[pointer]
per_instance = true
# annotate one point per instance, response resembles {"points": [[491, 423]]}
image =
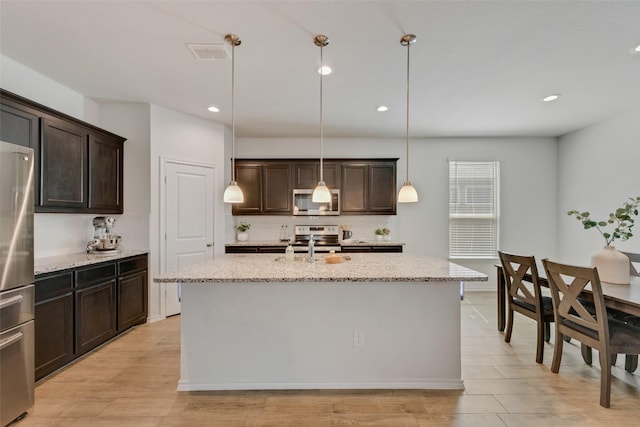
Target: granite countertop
{"points": [[350, 242], [360, 267], [63, 262]]}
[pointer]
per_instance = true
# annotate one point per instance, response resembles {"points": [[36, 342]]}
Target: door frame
{"points": [[163, 216]]}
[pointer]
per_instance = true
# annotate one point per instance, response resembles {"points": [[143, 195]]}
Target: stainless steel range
{"points": [[325, 237]]}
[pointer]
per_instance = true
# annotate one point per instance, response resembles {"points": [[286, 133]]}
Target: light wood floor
{"points": [[132, 382]]}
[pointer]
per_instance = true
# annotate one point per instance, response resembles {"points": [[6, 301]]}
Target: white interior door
{"points": [[189, 221]]}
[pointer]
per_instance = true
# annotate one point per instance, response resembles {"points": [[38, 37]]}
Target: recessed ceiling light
{"points": [[382, 108], [550, 98], [214, 109], [637, 49], [324, 70]]}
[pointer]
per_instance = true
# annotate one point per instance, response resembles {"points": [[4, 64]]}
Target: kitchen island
{"points": [[388, 321]]}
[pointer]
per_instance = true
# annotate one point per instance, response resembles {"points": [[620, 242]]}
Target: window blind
{"points": [[474, 209]]}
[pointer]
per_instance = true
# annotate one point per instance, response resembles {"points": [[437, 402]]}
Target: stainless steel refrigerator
{"points": [[16, 282]]}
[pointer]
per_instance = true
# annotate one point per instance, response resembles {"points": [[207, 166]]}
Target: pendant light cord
{"points": [[233, 112], [321, 119], [407, 129]]}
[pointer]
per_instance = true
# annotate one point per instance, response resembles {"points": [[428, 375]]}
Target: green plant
{"points": [[382, 231], [621, 219], [242, 227]]}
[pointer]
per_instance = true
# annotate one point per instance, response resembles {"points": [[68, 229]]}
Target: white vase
{"points": [[612, 265], [379, 237], [386, 238], [242, 236]]}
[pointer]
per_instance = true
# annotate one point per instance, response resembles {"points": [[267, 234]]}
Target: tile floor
{"points": [[132, 382]]}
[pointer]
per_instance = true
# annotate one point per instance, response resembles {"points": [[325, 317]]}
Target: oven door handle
{"points": [[11, 340], [11, 301]]}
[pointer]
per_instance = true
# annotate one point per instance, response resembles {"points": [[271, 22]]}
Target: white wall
{"points": [[132, 122], [178, 136], [528, 190], [599, 171]]}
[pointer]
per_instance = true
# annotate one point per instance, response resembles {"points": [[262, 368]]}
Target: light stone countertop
{"points": [[63, 262], [360, 267], [354, 242]]}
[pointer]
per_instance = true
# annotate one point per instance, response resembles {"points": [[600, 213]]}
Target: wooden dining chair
{"points": [[607, 335], [525, 297], [634, 263], [631, 361]]}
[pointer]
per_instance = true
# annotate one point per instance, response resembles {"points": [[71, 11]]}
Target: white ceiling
{"points": [[479, 68]]}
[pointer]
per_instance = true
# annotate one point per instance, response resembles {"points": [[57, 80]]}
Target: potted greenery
{"points": [[241, 229], [613, 266], [382, 233]]}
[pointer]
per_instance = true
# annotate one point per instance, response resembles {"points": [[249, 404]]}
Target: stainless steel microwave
{"points": [[303, 205]]}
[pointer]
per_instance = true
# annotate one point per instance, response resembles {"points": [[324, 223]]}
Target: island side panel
{"points": [[301, 335]]}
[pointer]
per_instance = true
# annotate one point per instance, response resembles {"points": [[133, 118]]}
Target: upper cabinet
{"points": [[266, 186], [367, 186], [20, 124], [79, 167], [307, 173]]}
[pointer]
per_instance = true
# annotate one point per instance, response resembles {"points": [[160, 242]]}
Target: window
{"points": [[474, 209]]}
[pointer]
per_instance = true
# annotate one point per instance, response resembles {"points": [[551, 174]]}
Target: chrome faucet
{"points": [[312, 250]]}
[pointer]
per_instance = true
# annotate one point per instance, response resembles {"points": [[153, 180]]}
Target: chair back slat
{"points": [[515, 267], [566, 283]]}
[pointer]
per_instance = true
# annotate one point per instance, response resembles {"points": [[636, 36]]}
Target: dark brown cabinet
{"points": [[20, 124], [254, 249], [132, 292], [54, 345], [105, 173], [79, 167], [266, 186], [355, 188], [64, 165], [306, 174], [368, 187], [276, 188], [95, 299], [376, 249], [382, 188], [78, 309]]}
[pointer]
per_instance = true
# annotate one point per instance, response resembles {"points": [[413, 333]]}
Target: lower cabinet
{"points": [[378, 249], [76, 310], [95, 315], [255, 249], [132, 292], [54, 342]]}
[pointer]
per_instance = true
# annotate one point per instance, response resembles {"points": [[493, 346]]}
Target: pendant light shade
{"points": [[408, 193], [233, 193], [321, 193]]}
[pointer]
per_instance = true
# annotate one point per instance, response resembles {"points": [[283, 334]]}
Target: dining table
{"points": [[624, 298]]}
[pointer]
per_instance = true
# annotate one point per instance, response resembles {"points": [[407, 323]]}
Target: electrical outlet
{"points": [[358, 339]]}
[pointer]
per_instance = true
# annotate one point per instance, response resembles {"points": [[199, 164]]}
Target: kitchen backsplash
{"points": [[269, 227]]}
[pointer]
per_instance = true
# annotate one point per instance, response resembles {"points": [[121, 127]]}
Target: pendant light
{"points": [[321, 193], [233, 193], [408, 193]]}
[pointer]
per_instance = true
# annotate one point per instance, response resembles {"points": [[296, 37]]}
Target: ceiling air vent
{"points": [[210, 51]]}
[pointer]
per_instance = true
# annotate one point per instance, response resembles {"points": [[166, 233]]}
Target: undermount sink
{"points": [[295, 258]]}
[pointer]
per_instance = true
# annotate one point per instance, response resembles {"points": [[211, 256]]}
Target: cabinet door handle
{"points": [[209, 245]]}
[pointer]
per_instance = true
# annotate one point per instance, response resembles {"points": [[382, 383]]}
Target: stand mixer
{"points": [[103, 240]]}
